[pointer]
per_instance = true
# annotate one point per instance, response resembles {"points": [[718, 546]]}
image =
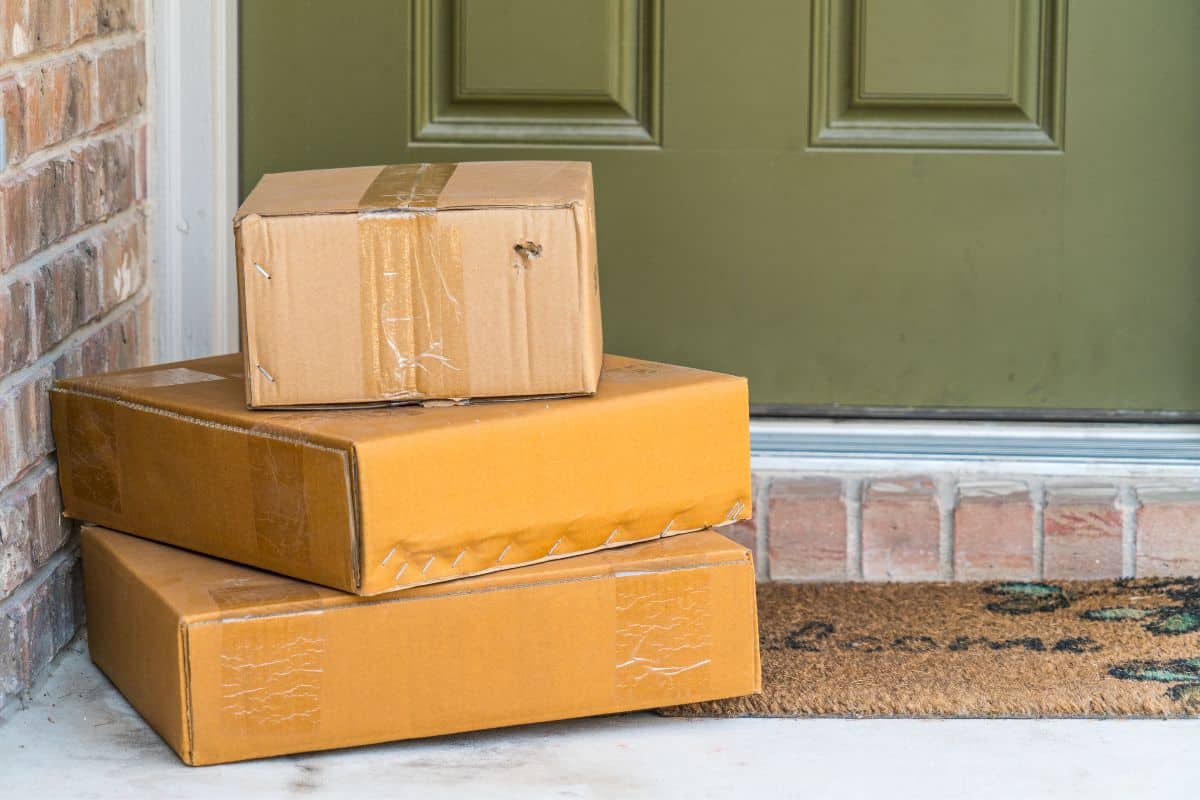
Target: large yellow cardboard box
{"points": [[370, 500], [229, 663], [415, 281]]}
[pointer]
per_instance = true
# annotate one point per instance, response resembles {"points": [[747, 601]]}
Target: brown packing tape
{"points": [[280, 501], [90, 458], [412, 277], [402, 187], [237, 596]]}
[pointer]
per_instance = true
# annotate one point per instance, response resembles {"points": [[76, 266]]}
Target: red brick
{"points": [[12, 117], [116, 16], [52, 201], [32, 527], [107, 185], [12, 13], [10, 681], [57, 101], [41, 618], [78, 287], [89, 280], [32, 617], [806, 539], [119, 344], [1082, 528], [1168, 531], [42, 205], [115, 268], [901, 530], [31, 26], [993, 532], [16, 552], [56, 298], [39, 208], [13, 223], [49, 529], [49, 24], [121, 82], [16, 331], [85, 24], [24, 426]]}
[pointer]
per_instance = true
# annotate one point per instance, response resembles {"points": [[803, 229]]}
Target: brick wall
{"points": [[823, 527], [73, 280]]}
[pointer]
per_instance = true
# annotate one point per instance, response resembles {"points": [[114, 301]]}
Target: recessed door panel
{"points": [[570, 71]]}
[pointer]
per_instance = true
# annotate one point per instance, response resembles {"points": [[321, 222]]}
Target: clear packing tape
{"points": [[412, 272]]}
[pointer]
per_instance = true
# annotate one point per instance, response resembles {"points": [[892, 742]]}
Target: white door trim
{"points": [[1044, 448], [193, 175]]}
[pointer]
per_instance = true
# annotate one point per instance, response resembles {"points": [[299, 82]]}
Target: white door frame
{"points": [[193, 173]]}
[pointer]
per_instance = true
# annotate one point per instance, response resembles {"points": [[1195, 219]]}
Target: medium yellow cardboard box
{"points": [[416, 281], [371, 500], [230, 663]]}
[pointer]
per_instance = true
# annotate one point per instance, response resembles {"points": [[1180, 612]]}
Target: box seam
{"points": [[356, 514], [614, 575], [178, 415], [408, 210], [189, 715]]}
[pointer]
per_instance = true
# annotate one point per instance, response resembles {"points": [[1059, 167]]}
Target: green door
{"points": [[877, 204]]}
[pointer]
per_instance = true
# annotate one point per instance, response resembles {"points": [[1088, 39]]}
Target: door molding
{"points": [[1023, 111], [193, 175], [447, 110]]}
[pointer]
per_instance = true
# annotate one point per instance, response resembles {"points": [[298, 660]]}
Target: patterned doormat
{"points": [[1128, 648]]}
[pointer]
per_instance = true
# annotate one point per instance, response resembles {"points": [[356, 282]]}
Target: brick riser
{"points": [[945, 527]]}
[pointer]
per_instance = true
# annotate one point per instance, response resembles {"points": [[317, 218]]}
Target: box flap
{"points": [[480, 184]]}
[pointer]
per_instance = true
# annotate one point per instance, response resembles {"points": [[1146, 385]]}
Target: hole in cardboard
{"points": [[527, 250]]}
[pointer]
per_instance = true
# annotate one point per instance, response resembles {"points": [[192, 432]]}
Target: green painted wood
{"points": [[579, 36], [878, 275]]}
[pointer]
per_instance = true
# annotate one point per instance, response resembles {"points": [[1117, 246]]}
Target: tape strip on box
{"points": [[664, 633], [412, 277], [93, 462], [272, 674]]}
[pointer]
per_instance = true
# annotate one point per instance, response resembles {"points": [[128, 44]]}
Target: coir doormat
{"points": [[1128, 648]]}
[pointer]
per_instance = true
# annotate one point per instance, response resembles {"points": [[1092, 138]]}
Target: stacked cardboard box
{"points": [[450, 565]]}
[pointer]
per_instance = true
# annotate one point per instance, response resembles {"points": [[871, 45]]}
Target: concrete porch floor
{"points": [[78, 738]]}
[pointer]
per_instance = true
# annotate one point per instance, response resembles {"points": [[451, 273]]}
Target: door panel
{"points": [[938, 73], [531, 71], [904, 203]]}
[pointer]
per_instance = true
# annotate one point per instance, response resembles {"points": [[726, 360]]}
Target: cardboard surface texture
{"points": [[419, 281], [370, 500], [229, 663]]}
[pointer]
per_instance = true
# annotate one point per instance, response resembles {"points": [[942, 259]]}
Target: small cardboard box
{"points": [[371, 500], [229, 663], [419, 281]]}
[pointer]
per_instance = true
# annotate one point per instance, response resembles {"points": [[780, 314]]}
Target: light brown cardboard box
{"points": [[371, 500], [417, 281], [229, 663]]}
